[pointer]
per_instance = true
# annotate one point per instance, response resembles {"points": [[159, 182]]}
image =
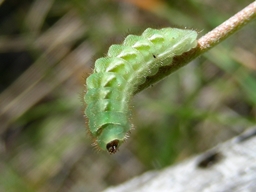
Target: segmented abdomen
{"points": [[117, 76]]}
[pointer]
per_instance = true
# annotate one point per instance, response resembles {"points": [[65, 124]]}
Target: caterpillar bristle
{"points": [[96, 146]]}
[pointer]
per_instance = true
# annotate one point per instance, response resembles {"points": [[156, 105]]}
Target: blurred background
{"points": [[48, 48]]}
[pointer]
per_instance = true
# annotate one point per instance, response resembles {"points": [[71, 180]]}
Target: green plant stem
{"points": [[205, 43]]}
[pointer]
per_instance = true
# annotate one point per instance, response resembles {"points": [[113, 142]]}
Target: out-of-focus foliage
{"points": [[48, 48]]}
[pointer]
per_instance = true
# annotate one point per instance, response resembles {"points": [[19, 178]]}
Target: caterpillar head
{"points": [[111, 137], [112, 147]]}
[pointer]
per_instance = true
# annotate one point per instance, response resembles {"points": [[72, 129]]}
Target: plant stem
{"points": [[205, 43]]}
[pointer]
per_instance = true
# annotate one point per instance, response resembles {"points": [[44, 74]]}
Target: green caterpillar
{"points": [[116, 77]]}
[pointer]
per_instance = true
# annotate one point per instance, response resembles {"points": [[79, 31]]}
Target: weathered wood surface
{"points": [[229, 167]]}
